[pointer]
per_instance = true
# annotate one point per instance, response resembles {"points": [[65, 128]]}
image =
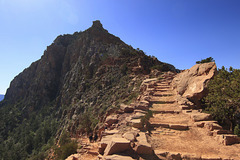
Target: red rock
{"points": [[127, 108], [136, 123], [117, 145], [144, 147], [200, 117], [192, 82], [212, 126], [227, 139], [178, 126], [118, 157], [111, 119], [129, 136]]}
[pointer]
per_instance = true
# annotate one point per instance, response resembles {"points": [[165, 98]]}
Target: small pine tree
{"points": [[207, 60]]}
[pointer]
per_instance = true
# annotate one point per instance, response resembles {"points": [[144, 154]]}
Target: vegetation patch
{"points": [[223, 99]]}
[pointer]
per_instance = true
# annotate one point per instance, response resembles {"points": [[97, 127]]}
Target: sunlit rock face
{"points": [[192, 82]]}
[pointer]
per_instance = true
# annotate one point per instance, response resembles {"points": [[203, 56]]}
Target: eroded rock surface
{"points": [[192, 82]]}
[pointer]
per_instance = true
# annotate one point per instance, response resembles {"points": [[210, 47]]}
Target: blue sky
{"points": [[179, 32]]}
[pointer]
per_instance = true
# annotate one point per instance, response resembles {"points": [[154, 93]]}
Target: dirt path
{"points": [[175, 132]]}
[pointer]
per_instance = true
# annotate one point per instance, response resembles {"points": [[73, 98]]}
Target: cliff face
{"points": [[79, 75], [72, 60], [80, 52]]}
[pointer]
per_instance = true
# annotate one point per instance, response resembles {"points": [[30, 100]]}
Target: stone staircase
{"points": [[176, 131], [179, 132]]}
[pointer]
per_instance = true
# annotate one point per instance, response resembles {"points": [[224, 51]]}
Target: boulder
{"points": [[111, 119], [111, 132], [213, 126], [192, 82], [227, 139], [200, 117], [118, 157], [174, 155], [139, 111], [146, 98], [104, 142], [129, 136], [149, 81], [127, 108], [117, 145], [143, 147], [136, 123], [142, 105], [161, 153], [73, 157], [138, 115], [142, 137], [201, 124], [190, 156]]}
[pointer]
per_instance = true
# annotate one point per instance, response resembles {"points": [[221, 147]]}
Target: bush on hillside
{"points": [[223, 99], [67, 147]]}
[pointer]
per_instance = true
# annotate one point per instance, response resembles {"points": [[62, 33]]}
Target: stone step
{"points": [[220, 132], [163, 82], [164, 106], [163, 93], [227, 139], [156, 124], [167, 98], [162, 85], [160, 94], [184, 107], [200, 117], [165, 154], [171, 126], [161, 90], [154, 101], [93, 152], [165, 111]]}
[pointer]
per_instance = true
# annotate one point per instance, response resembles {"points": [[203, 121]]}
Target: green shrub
{"points": [[223, 99], [132, 97], [66, 150], [207, 60], [67, 146], [145, 120], [237, 130]]}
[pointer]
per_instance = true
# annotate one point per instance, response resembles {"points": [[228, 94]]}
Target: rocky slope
{"points": [[176, 130], [78, 78]]}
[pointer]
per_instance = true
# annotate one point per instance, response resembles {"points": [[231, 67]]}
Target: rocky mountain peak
{"points": [[78, 78], [97, 24]]}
